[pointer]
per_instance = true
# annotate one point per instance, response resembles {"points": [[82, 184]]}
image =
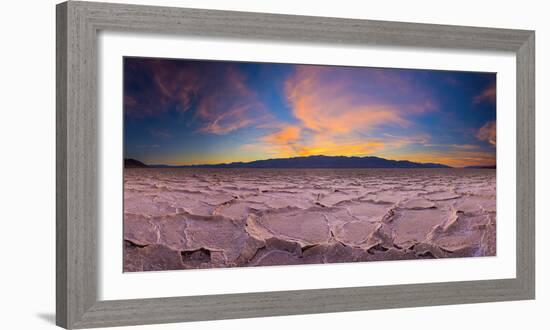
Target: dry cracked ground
{"points": [[209, 218]]}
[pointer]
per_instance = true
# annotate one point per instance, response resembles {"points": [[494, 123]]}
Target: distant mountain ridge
{"points": [[491, 167], [132, 163], [305, 162]]}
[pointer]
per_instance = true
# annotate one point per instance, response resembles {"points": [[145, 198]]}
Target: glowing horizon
{"points": [[186, 112]]}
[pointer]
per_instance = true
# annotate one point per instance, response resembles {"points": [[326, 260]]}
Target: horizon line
{"points": [[267, 159]]}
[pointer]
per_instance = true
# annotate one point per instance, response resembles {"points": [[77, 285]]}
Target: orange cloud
{"points": [[352, 148], [289, 134], [284, 142], [488, 133], [289, 141], [487, 95], [330, 107]]}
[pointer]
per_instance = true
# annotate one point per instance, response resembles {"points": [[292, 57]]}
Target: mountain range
{"points": [[302, 162]]}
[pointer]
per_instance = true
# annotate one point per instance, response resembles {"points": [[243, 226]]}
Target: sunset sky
{"points": [[205, 112]]}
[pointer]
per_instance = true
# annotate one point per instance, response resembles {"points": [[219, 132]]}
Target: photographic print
{"points": [[234, 164]]}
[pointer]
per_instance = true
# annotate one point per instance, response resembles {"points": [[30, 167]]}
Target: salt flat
{"points": [[208, 218]]}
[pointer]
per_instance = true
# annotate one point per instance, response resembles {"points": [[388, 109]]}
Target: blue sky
{"points": [[207, 112]]}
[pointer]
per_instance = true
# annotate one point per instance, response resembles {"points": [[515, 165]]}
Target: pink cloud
{"points": [[487, 95], [218, 94], [230, 105], [129, 101], [330, 107], [488, 133]]}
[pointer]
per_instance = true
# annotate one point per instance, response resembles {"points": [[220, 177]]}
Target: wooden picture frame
{"points": [[78, 24]]}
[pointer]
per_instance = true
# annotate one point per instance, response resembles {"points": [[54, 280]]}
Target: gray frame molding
{"points": [[76, 253]]}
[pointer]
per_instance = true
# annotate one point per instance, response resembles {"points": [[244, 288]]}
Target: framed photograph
{"points": [[217, 165]]}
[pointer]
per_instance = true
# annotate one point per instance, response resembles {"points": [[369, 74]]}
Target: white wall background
{"points": [[27, 163]]}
